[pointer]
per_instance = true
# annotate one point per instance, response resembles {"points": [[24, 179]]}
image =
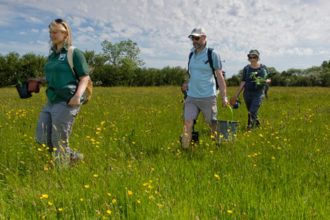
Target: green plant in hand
{"points": [[261, 81]]}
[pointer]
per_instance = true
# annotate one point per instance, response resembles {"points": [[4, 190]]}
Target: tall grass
{"points": [[134, 167]]}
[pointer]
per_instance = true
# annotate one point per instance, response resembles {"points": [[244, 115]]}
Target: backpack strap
{"points": [[246, 71], [70, 61], [209, 57], [190, 55], [264, 68], [70, 57]]}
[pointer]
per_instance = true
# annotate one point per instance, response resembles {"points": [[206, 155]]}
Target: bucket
{"points": [[22, 89], [33, 86], [226, 130]]}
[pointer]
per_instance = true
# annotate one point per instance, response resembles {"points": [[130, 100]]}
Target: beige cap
{"points": [[197, 31]]}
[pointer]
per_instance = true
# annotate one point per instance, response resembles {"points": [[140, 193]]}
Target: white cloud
{"points": [[281, 30], [34, 30], [35, 20], [43, 43], [87, 29], [6, 15], [300, 51], [76, 21]]}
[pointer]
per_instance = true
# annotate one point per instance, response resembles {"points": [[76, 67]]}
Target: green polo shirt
{"points": [[59, 73]]}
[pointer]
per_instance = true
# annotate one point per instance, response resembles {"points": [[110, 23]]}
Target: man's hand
{"points": [[224, 102], [184, 87]]}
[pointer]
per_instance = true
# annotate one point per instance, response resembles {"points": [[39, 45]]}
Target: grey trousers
{"points": [[54, 128]]}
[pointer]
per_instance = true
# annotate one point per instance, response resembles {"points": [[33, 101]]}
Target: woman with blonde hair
{"points": [[65, 94]]}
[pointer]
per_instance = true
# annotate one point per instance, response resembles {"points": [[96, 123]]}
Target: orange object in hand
{"points": [[233, 101]]}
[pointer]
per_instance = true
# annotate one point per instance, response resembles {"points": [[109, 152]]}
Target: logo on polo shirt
{"points": [[62, 57]]}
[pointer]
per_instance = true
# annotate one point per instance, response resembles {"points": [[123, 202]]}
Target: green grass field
{"points": [[134, 167]]}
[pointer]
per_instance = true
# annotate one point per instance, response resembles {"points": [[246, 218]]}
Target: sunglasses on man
{"points": [[254, 57], [192, 38]]}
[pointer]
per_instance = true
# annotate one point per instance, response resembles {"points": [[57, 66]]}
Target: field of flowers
{"points": [[134, 167]]}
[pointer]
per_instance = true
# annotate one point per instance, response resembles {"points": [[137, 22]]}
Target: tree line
{"points": [[120, 65]]}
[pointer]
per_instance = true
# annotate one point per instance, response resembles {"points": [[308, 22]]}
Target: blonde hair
{"points": [[63, 26]]}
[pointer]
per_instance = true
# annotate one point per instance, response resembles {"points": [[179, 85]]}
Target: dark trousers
{"points": [[253, 101]]}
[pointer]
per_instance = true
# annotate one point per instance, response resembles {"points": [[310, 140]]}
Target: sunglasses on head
{"points": [[60, 21], [254, 57], [194, 38]]}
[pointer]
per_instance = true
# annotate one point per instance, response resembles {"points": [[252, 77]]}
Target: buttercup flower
{"points": [[45, 196]]}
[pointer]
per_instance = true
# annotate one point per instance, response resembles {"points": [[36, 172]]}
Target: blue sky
{"points": [[288, 34]]}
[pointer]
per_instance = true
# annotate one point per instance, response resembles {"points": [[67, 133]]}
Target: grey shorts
{"points": [[193, 106]]}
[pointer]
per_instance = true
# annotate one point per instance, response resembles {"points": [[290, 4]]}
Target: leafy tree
{"points": [[107, 75], [120, 53], [235, 80], [144, 76], [311, 70], [93, 59], [303, 81], [9, 66], [294, 72], [315, 79], [32, 65], [325, 64], [325, 76], [173, 76]]}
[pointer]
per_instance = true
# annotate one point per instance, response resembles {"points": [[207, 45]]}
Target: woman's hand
{"points": [[74, 101], [233, 100], [41, 80]]}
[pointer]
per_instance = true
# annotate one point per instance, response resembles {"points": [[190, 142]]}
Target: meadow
{"points": [[134, 167]]}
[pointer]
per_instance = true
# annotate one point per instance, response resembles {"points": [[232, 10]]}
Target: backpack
{"points": [[89, 88], [210, 61]]}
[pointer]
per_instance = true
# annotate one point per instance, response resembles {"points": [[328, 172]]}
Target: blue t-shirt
{"points": [[249, 84], [202, 83]]}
